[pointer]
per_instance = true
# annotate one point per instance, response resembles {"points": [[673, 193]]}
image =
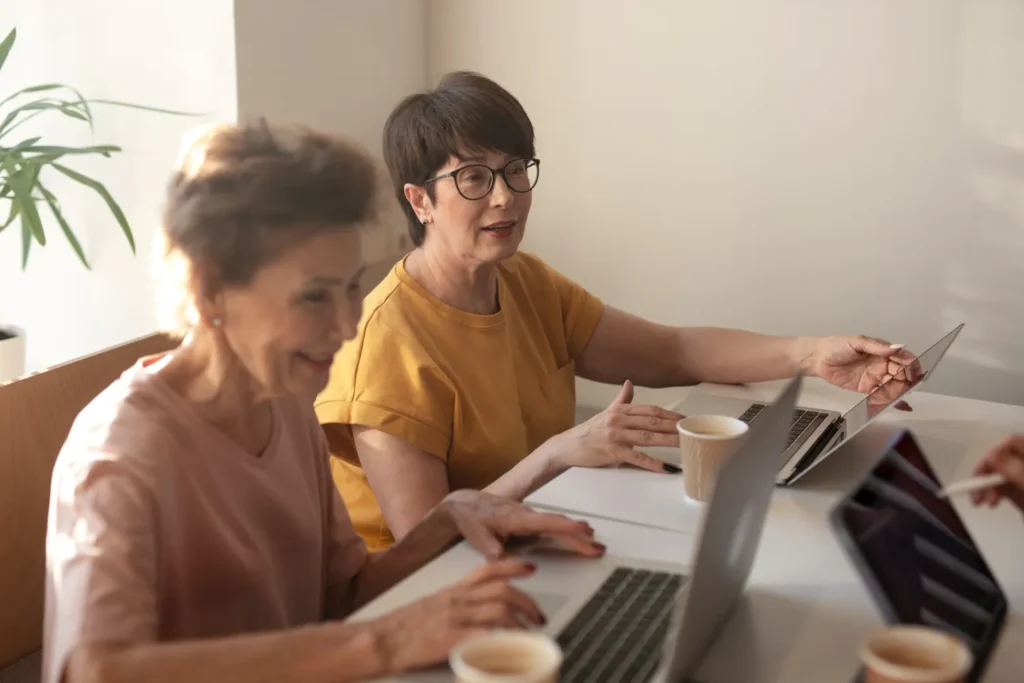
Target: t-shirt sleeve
{"points": [[395, 387], [100, 562], [581, 312], [344, 550]]}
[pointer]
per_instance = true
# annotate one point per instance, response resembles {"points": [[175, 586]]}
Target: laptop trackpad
{"points": [[549, 603]]}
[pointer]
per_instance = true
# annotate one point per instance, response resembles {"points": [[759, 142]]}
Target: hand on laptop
{"points": [[424, 632], [1007, 459], [487, 522], [611, 437], [864, 364]]}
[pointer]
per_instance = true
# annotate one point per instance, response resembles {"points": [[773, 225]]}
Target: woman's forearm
{"points": [[529, 474], [625, 346], [323, 653], [726, 356], [424, 542]]}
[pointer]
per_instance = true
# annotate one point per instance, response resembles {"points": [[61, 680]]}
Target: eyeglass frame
{"points": [[494, 173]]}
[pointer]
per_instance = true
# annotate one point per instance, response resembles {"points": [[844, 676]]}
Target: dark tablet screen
{"points": [[915, 553]]}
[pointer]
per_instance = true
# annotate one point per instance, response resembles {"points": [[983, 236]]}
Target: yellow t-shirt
{"points": [[478, 391]]}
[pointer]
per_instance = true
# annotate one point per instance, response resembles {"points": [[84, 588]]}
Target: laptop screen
{"points": [[901, 384], [915, 554]]}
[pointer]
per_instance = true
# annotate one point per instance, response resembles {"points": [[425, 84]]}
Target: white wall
{"points": [[178, 55], [339, 66], [789, 166]]}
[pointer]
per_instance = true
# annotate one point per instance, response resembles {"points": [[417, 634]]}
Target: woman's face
{"points": [[286, 325], [486, 230]]}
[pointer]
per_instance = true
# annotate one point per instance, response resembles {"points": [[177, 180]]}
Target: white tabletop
{"points": [[805, 610]]}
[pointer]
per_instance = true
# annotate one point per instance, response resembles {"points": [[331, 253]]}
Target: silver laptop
{"points": [[816, 433], [628, 621]]}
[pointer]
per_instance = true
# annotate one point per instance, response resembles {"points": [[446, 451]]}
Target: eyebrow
{"points": [[335, 281]]}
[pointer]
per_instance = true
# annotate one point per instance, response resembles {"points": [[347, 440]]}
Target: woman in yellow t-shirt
{"points": [[463, 371]]}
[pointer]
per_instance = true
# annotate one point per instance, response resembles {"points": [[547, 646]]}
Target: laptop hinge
{"points": [[825, 441]]}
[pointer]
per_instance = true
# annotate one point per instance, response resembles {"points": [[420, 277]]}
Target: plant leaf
{"points": [[6, 45], [144, 107], [23, 196], [51, 199], [98, 187], [51, 154], [26, 242], [31, 89], [21, 146], [65, 107], [105, 150]]}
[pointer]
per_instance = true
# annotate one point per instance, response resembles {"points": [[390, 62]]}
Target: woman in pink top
{"points": [[194, 532]]}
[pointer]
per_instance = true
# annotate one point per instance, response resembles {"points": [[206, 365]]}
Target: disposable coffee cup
{"points": [[506, 657], [705, 443], [915, 654]]}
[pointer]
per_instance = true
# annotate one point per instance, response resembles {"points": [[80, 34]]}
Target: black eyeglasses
{"points": [[476, 180]]}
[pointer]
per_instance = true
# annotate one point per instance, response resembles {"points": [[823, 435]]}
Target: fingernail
{"points": [[671, 469], [543, 620], [896, 346], [601, 547], [531, 567]]}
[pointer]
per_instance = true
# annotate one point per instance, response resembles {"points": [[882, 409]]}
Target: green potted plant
{"points": [[27, 164]]}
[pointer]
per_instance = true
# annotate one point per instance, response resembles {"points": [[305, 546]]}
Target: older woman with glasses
{"points": [[464, 367]]}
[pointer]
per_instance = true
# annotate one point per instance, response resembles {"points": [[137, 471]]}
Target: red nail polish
{"points": [[531, 567]]}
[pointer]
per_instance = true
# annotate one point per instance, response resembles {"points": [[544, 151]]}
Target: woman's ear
{"points": [[206, 289], [420, 202]]}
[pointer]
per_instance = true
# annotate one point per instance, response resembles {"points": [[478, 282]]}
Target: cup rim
{"points": [[916, 632], [533, 638], [741, 427]]}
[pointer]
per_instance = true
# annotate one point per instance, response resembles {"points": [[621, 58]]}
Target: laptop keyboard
{"points": [[618, 635], [802, 420]]}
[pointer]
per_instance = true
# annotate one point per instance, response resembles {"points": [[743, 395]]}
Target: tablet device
{"points": [[914, 553]]}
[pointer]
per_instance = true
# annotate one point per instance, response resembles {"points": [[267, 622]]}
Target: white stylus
{"points": [[985, 481]]}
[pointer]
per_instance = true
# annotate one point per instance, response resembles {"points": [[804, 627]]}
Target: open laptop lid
{"points": [[914, 553], [886, 395], [731, 532]]}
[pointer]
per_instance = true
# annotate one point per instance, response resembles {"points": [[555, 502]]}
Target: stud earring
{"points": [[216, 322]]}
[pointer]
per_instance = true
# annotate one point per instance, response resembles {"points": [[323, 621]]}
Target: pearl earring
{"points": [[216, 322]]}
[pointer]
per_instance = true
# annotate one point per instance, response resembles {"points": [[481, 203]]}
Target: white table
{"points": [[805, 610]]}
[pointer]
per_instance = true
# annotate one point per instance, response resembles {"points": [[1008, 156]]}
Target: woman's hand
{"points": [[610, 437], [487, 522], [425, 632], [1006, 458], [860, 363]]}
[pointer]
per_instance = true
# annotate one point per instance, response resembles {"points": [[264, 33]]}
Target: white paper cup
{"points": [[506, 657], [705, 443], [915, 654]]}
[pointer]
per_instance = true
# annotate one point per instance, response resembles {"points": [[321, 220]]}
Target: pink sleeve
{"points": [[344, 550], [100, 561]]}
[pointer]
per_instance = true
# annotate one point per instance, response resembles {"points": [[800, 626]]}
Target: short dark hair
{"points": [[242, 194], [466, 112]]}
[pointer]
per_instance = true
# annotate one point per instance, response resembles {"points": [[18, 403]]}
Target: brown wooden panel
{"points": [[36, 413]]}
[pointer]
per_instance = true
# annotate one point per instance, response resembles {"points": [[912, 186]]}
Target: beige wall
{"points": [[786, 165], [175, 54], [336, 65]]}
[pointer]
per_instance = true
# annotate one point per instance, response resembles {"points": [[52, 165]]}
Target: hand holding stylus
{"points": [[1007, 460]]}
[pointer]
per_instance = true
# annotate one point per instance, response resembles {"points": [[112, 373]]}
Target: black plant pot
{"points": [[12, 353]]}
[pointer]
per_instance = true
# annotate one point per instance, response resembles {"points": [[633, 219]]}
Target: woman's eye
{"points": [[318, 296]]}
